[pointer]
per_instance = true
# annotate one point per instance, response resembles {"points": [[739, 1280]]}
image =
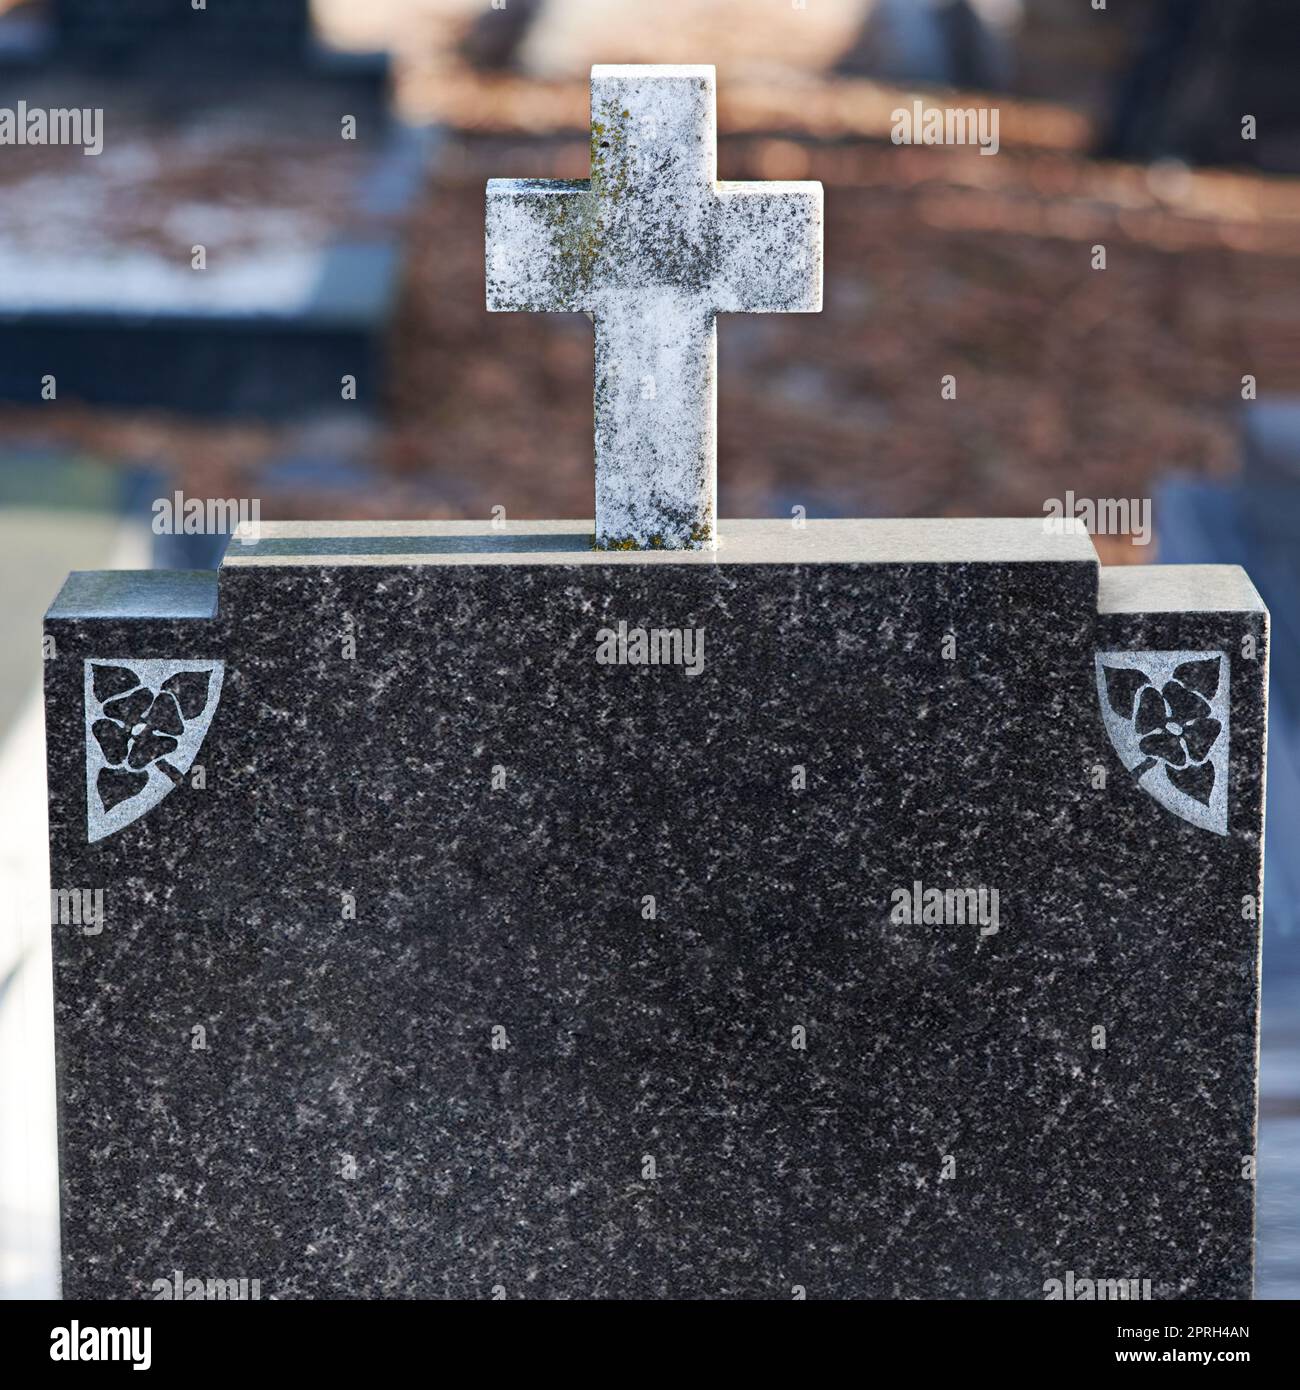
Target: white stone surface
{"points": [[1177, 589], [143, 282], [653, 247], [910, 540]]}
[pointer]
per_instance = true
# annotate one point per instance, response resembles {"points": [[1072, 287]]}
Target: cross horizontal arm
{"points": [[539, 244], [771, 235]]}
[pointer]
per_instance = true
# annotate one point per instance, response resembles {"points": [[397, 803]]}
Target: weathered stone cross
{"points": [[653, 248]]}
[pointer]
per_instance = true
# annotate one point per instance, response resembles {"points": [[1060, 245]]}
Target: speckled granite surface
{"points": [[504, 1078]]}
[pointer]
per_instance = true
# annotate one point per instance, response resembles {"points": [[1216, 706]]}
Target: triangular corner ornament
{"points": [[1167, 715], [145, 721]]}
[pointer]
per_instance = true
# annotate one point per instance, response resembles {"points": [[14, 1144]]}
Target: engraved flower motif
{"points": [[1167, 713], [1175, 724], [140, 726]]}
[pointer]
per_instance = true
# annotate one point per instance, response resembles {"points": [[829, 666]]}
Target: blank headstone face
{"points": [[256, 26], [865, 910]]}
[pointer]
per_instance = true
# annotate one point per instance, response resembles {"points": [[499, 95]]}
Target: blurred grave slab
{"points": [[499, 1073], [302, 234], [56, 481], [194, 56], [494, 38], [1199, 68], [1254, 518], [952, 43], [55, 506], [127, 28], [1278, 1274]]}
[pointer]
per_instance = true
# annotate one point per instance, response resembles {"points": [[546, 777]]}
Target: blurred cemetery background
{"points": [[327, 256]]}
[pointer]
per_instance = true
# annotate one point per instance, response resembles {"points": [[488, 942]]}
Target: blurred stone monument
{"points": [[174, 268], [195, 54]]}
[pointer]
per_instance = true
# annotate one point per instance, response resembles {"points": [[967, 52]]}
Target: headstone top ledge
{"points": [[1177, 589], [1121, 589], [964, 540]]}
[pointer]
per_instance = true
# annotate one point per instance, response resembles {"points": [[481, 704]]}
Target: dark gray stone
{"points": [[186, 58], [246, 26], [365, 1047], [274, 362]]}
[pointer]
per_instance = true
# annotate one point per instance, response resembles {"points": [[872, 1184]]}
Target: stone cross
{"points": [[653, 248]]}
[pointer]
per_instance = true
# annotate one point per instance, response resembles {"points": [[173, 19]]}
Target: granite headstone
{"points": [[860, 909], [613, 909]]}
